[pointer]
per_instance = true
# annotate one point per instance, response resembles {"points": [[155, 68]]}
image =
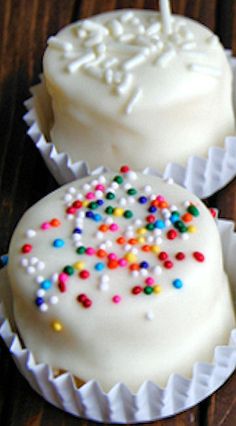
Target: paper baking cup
{"points": [[202, 176], [120, 405]]}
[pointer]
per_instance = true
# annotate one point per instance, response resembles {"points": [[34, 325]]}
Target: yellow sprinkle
{"points": [[141, 231], [192, 229], [79, 266], [141, 240], [85, 203], [156, 249], [156, 289], [131, 257], [57, 326], [118, 212]]}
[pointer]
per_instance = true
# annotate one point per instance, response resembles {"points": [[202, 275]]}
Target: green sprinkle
{"points": [[132, 191], [148, 290], [80, 250], [109, 210], [128, 214], [118, 179], [193, 210], [69, 270], [150, 226], [178, 224], [93, 205], [110, 196]]}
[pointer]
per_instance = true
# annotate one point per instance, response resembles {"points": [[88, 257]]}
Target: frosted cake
{"points": [[122, 86], [119, 278]]}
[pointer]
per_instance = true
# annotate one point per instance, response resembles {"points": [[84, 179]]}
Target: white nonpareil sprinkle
{"points": [[99, 235], [157, 270], [39, 279], [40, 265], [40, 292], [184, 236], [24, 262], [144, 272], [109, 220], [30, 233], [150, 315], [147, 189], [54, 277], [72, 190], [131, 175], [33, 260], [30, 270], [53, 300], [43, 307], [105, 278], [122, 202], [104, 285], [68, 198], [135, 274]]}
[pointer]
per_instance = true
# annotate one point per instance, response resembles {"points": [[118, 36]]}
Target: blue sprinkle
{"points": [[46, 284], [152, 209], [77, 231], [142, 199], [3, 261], [97, 217], [174, 217], [160, 224], [100, 202], [99, 266], [144, 264], [89, 214], [177, 283], [58, 243], [39, 301]]}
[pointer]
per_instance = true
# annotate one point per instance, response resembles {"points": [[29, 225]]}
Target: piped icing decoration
{"points": [[111, 51], [144, 242]]}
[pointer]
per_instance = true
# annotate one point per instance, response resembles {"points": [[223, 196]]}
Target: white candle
{"points": [[166, 16]]}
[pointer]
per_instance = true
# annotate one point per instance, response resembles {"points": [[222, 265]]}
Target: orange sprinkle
{"points": [[163, 204], [113, 264], [134, 267], [146, 248], [187, 217], [55, 222], [155, 203], [103, 228], [132, 241], [101, 253], [121, 240]]}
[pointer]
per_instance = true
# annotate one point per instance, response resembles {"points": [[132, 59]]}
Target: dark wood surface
{"points": [[24, 27]]}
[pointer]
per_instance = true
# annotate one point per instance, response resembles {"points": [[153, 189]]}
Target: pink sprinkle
{"points": [[149, 281], [100, 187], [112, 256], [160, 198], [90, 251], [122, 262], [114, 227], [116, 298], [90, 196], [45, 226], [63, 278]]}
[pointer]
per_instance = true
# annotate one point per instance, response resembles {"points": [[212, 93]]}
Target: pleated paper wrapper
{"points": [[202, 176], [120, 405]]}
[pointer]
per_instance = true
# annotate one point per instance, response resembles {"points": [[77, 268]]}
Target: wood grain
{"points": [[24, 179]]}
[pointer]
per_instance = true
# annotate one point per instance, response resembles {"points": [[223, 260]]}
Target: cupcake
{"points": [[141, 87], [120, 278]]}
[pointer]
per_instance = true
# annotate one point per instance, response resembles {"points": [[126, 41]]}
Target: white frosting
{"points": [[121, 85], [120, 336]]}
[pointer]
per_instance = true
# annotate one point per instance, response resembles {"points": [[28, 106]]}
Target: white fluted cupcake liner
{"points": [[202, 176], [120, 405]]}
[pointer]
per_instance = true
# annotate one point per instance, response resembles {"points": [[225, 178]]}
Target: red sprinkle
{"points": [[213, 212], [82, 297], [77, 204], [71, 210], [168, 264], [150, 218], [124, 169], [137, 289], [84, 274], [26, 248], [62, 287], [198, 256], [163, 255], [180, 255], [87, 303], [171, 234]]}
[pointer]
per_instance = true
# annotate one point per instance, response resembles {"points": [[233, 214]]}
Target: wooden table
{"points": [[25, 26]]}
